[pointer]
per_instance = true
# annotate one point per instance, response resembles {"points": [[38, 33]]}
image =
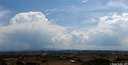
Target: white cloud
{"points": [[93, 20], [84, 1], [28, 30], [110, 32], [117, 4], [31, 30], [3, 12]]}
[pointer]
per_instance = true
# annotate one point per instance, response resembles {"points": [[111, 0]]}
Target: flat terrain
{"points": [[63, 63], [66, 57]]}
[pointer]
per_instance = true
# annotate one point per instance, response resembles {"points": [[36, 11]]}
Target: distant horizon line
{"points": [[56, 50]]}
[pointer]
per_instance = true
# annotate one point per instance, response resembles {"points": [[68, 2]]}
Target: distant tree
{"points": [[32, 63], [19, 63], [99, 61], [22, 58], [43, 61], [37, 58], [2, 62], [121, 59], [47, 63], [79, 60]]}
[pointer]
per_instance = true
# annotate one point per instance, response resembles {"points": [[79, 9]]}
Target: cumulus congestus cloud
{"points": [[29, 30], [32, 31]]}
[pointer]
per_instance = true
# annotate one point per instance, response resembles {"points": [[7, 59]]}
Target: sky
{"points": [[63, 25]]}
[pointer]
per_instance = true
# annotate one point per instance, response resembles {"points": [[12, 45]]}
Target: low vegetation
{"points": [[67, 57]]}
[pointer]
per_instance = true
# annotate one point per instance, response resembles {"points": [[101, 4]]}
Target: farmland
{"points": [[63, 57]]}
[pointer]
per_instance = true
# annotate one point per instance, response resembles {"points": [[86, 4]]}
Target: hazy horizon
{"points": [[63, 24]]}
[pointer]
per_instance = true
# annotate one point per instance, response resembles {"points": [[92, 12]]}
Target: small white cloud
{"points": [[92, 19], [3, 12], [102, 19], [84, 1], [114, 3]]}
